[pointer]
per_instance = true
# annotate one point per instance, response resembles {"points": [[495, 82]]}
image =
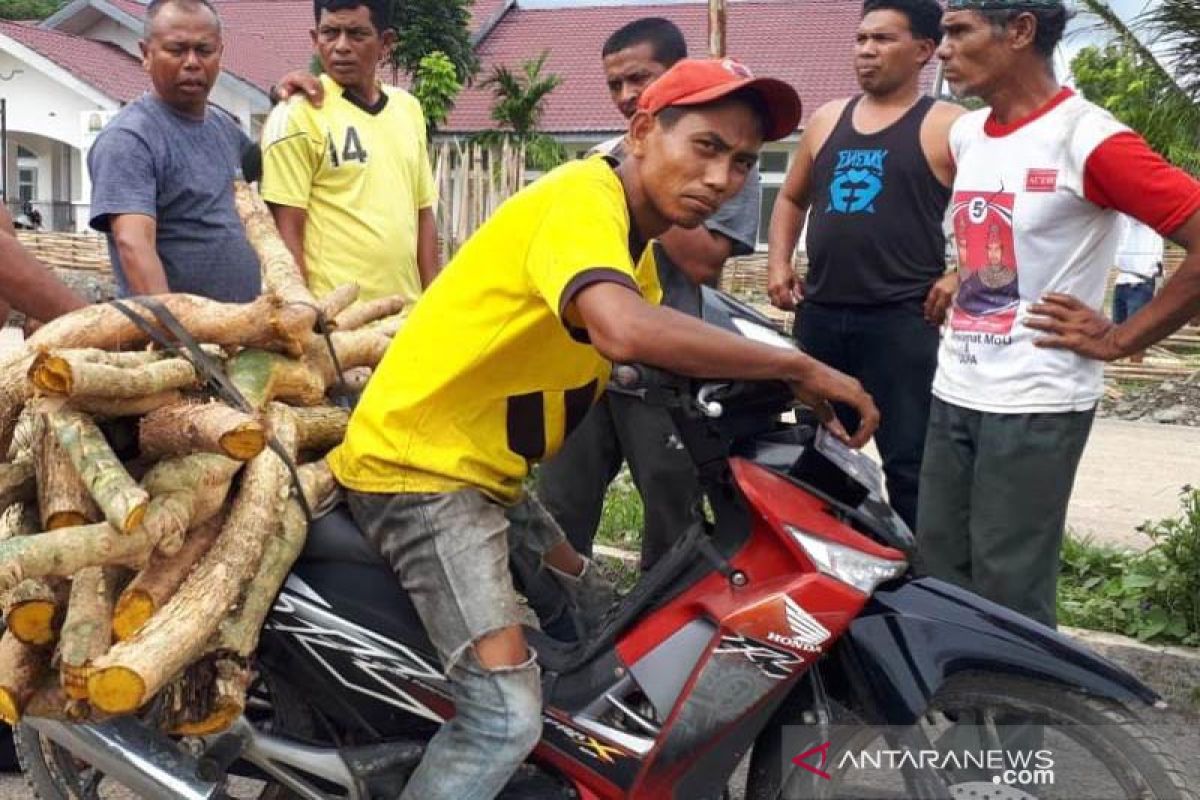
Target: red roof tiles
{"points": [[808, 43], [107, 67]]}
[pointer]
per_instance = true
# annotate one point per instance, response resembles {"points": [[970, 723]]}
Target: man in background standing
{"points": [[163, 169], [1139, 263], [349, 181], [874, 173]]}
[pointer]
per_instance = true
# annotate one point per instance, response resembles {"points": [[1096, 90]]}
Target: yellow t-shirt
{"points": [[492, 368], [362, 174]]}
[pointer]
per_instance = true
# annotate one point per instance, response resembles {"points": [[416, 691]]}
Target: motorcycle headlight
{"points": [[862, 571]]}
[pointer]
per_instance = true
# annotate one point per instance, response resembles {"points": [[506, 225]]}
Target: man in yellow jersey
{"points": [[507, 351], [349, 182]]}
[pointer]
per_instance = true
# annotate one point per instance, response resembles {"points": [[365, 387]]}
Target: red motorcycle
{"points": [[788, 631]]}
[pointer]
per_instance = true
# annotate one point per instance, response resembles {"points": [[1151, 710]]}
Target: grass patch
{"points": [[621, 519], [1153, 595]]}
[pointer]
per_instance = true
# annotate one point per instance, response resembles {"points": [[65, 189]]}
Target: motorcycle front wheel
{"points": [[984, 737]]}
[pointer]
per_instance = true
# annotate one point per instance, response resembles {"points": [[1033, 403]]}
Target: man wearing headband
{"points": [[505, 353], [1043, 176], [874, 173]]}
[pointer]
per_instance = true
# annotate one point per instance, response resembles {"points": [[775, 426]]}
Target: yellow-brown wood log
{"points": [[356, 379], [338, 300], [63, 499], [77, 372], [22, 667], [87, 629], [319, 428], [206, 698], [163, 574], [114, 490], [14, 391], [109, 408], [33, 610], [281, 275], [262, 377], [359, 348], [134, 670], [19, 519], [191, 490], [388, 326], [200, 427], [17, 483], [268, 323], [369, 311]]}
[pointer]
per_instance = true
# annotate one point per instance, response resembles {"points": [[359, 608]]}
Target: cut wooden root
{"points": [[262, 377], [107, 408], [79, 372], [118, 495], [200, 427], [87, 629], [363, 313], [319, 428], [281, 276], [268, 323], [33, 610], [22, 667], [134, 670], [206, 699], [337, 301], [17, 483], [356, 379], [63, 499], [163, 574]]}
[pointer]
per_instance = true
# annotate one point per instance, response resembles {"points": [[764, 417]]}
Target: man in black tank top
{"points": [[874, 174]]}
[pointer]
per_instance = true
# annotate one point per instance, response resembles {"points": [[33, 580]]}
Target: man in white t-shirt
{"points": [[1042, 177], [1139, 263]]}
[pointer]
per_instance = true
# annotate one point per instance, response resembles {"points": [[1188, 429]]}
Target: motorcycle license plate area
{"points": [[845, 474]]}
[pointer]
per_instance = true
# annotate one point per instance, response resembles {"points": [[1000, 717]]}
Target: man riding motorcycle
{"points": [[507, 351]]}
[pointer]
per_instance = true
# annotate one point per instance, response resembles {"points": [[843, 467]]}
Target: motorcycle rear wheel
{"points": [[1117, 739]]}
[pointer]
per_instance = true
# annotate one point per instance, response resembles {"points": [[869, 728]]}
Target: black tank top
{"points": [[875, 227]]}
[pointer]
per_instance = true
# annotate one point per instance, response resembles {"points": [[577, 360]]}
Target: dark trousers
{"points": [[892, 351], [619, 429], [994, 492]]}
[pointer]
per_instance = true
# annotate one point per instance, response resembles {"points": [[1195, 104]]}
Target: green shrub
{"points": [[1152, 595]]}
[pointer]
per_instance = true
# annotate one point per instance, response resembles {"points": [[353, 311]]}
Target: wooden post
{"points": [[716, 28]]}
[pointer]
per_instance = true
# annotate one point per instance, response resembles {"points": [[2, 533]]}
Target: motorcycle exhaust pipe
{"points": [[129, 752]]}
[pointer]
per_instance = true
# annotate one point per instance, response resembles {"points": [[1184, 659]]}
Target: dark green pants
{"points": [[993, 502]]}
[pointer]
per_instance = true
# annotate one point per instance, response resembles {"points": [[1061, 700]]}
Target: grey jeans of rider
{"points": [[451, 552]]}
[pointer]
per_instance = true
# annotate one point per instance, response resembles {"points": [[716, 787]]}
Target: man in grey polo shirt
{"points": [[573, 484], [163, 169]]}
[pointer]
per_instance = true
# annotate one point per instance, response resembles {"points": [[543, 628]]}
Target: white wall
{"points": [[41, 105]]}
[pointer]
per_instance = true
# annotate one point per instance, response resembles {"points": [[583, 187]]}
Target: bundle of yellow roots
{"points": [[145, 525]]}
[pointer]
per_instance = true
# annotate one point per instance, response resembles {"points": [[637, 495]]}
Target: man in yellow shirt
{"points": [[349, 182], [507, 351]]}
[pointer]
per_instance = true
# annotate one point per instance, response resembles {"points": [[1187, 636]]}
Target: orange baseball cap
{"points": [[695, 82]]}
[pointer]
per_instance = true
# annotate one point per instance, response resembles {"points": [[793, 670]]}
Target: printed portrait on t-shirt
{"points": [[989, 291]]}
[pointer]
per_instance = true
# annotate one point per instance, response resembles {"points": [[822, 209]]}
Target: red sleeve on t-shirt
{"points": [[1123, 173]]}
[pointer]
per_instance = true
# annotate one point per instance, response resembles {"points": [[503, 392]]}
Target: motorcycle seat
{"points": [[335, 537]]}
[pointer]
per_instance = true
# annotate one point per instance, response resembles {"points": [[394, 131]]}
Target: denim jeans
{"points": [[1128, 299], [451, 553], [892, 350]]}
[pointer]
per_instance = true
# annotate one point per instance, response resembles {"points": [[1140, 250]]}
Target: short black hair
{"points": [[924, 16], [749, 97], [663, 36], [381, 10], [1051, 23], [156, 6]]}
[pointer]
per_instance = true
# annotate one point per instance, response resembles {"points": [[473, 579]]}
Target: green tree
{"points": [[428, 26], [520, 102], [435, 87], [1175, 27], [28, 9], [1129, 80]]}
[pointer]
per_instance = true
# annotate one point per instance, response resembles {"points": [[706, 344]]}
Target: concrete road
{"points": [[1132, 472]]}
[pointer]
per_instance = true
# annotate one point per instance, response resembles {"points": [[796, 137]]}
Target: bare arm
{"points": [[698, 252], [27, 285], [291, 223], [624, 328], [427, 246], [135, 235], [1073, 325]]}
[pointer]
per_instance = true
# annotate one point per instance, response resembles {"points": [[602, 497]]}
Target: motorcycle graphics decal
{"points": [[734, 680], [807, 635], [775, 664], [613, 763], [355, 657]]}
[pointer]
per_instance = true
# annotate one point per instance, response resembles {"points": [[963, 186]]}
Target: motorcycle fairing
{"points": [[911, 638]]}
